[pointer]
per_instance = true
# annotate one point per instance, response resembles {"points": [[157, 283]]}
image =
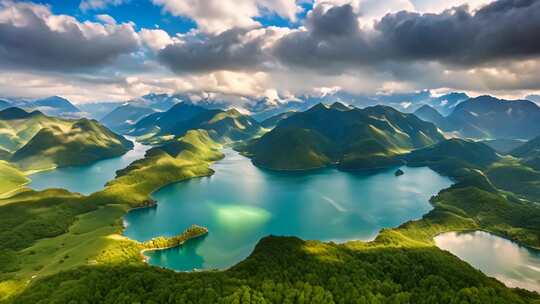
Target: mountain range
{"points": [[52, 106], [487, 117], [352, 138], [222, 125]]}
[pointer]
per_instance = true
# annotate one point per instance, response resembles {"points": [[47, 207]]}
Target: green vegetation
{"points": [[61, 247], [352, 138], [486, 117], [222, 126], [161, 242], [12, 178], [42, 233], [454, 156], [273, 121], [180, 159], [38, 142], [513, 176]]}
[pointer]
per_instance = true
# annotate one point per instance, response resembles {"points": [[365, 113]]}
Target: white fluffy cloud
{"points": [[216, 16], [156, 39]]}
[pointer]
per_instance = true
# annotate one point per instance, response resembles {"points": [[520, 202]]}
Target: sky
{"points": [[238, 50]]}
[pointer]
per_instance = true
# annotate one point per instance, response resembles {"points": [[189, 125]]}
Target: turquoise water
{"points": [[86, 179], [241, 203], [514, 265]]}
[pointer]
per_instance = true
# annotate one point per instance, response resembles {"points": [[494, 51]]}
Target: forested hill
{"points": [[351, 137], [34, 141], [224, 126]]}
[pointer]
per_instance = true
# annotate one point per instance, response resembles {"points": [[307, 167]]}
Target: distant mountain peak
{"points": [[16, 113], [339, 106]]}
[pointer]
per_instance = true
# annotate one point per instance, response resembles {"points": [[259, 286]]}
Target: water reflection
{"points": [[86, 179], [514, 265]]}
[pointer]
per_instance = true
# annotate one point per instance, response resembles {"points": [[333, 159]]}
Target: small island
{"points": [[399, 172], [160, 242]]}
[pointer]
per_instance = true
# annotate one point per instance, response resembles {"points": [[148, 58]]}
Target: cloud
{"points": [[506, 29], [156, 39], [216, 16], [232, 50], [32, 37], [87, 5]]}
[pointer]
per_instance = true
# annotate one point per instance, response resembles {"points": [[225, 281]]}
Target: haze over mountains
{"points": [[486, 117]]}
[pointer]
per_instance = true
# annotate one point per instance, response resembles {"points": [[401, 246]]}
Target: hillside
{"points": [[492, 118], [122, 118], [4, 104], [430, 114], [271, 122], [530, 149], [17, 127], [352, 138], [471, 154], [84, 142], [11, 178], [228, 125]]}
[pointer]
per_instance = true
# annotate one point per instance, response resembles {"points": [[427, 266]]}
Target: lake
{"points": [[89, 178], [514, 265], [241, 203]]}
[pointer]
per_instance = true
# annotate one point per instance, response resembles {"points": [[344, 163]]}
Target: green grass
{"points": [[512, 176], [11, 179], [42, 233]]}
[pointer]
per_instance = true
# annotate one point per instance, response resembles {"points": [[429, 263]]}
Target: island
{"points": [[161, 243]]}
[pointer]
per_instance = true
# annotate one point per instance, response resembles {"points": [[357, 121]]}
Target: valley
{"points": [[250, 212]]}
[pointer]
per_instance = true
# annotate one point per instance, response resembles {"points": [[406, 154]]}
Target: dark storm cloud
{"points": [[29, 42], [230, 50], [336, 21], [506, 29]]}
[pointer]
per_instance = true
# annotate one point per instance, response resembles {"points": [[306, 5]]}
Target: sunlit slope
{"points": [[223, 126], [352, 138], [10, 178], [17, 127], [34, 141], [79, 255], [84, 142]]}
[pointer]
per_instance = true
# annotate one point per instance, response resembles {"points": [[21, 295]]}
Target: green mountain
{"points": [[352, 138], [529, 153], [36, 141], [492, 118], [11, 178], [463, 160], [469, 153], [17, 127], [124, 117], [430, 114], [84, 142], [271, 122], [228, 125]]}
